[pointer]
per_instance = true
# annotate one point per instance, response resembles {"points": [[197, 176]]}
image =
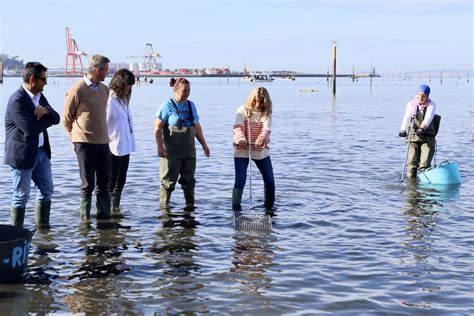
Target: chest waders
{"points": [[181, 160], [421, 148]]}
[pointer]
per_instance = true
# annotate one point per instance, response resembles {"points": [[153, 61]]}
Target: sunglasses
{"points": [[44, 79]]}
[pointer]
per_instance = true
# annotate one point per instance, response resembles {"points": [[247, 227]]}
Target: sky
{"points": [[391, 35]]}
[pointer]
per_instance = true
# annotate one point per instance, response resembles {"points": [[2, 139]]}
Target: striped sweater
{"points": [[260, 127]]}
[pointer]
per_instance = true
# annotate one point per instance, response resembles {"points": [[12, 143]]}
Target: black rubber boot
{"points": [[189, 197], [103, 206], [236, 199], [42, 210], [85, 209], [269, 194], [17, 216], [115, 201]]}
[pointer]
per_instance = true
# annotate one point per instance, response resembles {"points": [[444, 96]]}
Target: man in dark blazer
{"points": [[27, 149]]}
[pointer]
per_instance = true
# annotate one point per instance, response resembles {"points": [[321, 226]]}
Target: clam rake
{"points": [[252, 221]]}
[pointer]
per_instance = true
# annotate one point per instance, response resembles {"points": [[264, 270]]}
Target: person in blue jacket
{"points": [[27, 149], [176, 126]]}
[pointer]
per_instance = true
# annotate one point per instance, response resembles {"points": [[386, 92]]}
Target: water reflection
{"points": [[175, 252], [93, 288], [15, 299], [421, 215], [18, 297], [422, 212], [253, 256]]}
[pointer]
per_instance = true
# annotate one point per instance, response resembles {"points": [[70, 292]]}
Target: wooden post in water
{"points": [[334, 67], [371, 75], [440, 77]]}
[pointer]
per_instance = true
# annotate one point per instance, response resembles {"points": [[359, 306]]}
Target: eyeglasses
{"points": [[44, 79]]}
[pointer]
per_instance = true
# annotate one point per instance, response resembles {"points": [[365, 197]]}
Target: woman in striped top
{"points": [[256, 113]]}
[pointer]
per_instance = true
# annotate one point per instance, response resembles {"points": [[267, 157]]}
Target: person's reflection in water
{"points": [[96, 288], [422, 208], [421, 213], [174, 252], [253, 255]]}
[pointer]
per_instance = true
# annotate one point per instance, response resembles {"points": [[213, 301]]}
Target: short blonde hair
{"points": [[262, 94]]}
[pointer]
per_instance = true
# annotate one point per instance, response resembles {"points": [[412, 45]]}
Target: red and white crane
{"points": [[73, 56]]}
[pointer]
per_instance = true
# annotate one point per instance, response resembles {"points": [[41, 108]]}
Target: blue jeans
{"points": [[41, 176], [264, 166]]}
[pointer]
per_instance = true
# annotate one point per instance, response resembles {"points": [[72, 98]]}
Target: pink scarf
{"points": [[417, 106]]}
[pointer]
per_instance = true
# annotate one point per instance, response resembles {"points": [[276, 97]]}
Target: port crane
{"points": [[149, 59], [73, 55]]}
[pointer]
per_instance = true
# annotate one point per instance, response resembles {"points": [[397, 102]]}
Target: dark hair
{"points": [[119, 83], [33, 69], [174, 82]]}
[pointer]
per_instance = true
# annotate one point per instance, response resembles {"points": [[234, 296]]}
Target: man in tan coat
{"points": [[85, 121]]}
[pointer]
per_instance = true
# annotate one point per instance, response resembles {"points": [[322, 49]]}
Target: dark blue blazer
{"points": [[22, 129]]}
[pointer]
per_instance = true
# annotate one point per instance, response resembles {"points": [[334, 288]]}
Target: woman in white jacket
{"points": [[121, 133]]}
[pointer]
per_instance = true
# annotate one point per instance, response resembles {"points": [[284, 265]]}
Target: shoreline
{"points": [[215, 75]]}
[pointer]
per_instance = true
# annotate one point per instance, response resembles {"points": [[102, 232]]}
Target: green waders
{"points": [[422, 148], [180, 163]]}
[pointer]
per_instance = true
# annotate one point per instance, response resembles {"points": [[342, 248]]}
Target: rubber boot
{"points": [[85, 209], [269, 194], [189, 197], [115, 204], [42, 210], [165, 196], [103, 206], [17, 216], [411, 174], [236, 199], [115, 201]]}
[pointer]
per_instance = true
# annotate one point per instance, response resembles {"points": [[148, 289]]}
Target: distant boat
{"points": [[288, 78], [258, 78]]}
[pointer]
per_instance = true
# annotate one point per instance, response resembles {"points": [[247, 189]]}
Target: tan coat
{"points": [[85, 113]]}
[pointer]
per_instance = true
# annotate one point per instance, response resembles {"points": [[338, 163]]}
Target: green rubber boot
{"points": [[17, 216], [85, 209], [165, 196], [42, 210]]}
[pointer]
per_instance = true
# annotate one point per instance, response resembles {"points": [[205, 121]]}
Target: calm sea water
{"points": [[348, 238]]}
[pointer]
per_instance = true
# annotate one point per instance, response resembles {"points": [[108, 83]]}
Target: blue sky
{"points": [[392, 35]]}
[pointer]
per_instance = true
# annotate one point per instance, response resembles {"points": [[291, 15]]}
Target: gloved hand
{"points": [[402, 133], [420, 131]]}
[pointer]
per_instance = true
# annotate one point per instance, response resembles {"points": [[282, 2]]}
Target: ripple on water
{"points": [[348, 237]]}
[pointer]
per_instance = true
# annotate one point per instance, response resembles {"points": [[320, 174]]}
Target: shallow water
{"points": [[348, 237]]}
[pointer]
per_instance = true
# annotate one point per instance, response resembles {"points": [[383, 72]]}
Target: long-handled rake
{"points": [[251, 220], [410, 133]]}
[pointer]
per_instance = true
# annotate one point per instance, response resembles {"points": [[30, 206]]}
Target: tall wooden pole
{"points": [[334, 67]]}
